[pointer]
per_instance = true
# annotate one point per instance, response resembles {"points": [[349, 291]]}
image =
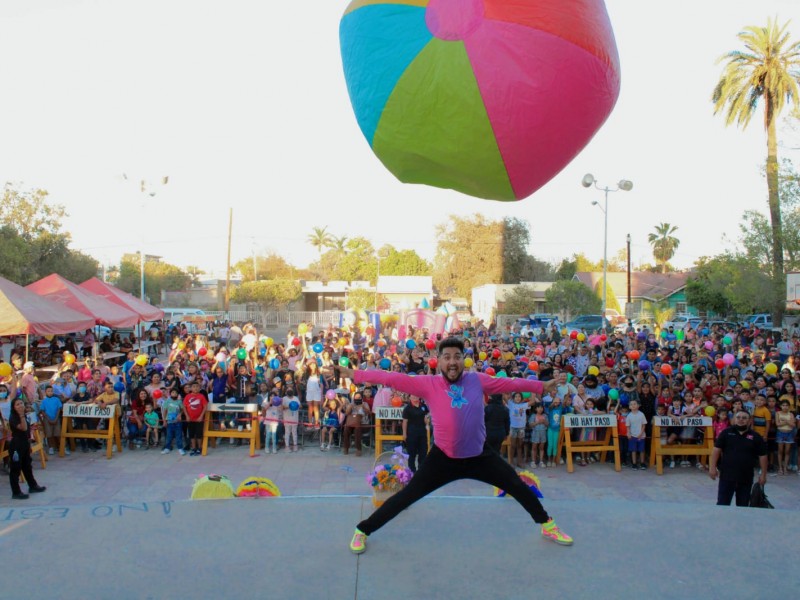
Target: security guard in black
{"points": [[742, 449]]}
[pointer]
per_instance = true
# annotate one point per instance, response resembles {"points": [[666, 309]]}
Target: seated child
{"points": [[151, 422]]}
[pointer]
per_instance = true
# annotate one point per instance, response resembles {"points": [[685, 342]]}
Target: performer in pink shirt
{"points": [[455, 399]]}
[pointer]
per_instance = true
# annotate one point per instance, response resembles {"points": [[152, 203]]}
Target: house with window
{"points": [[488, 300], [647, 290]]}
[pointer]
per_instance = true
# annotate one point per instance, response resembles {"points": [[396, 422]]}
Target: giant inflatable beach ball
{"points": [[491, 98]]}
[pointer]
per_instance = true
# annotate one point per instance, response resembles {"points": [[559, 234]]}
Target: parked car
{"points": [[679, 322], [637, 324], [726, 326], [761, 320], [588, 324], [614, 317]]}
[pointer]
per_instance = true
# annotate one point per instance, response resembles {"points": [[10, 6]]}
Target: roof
{"points": [[23, 312], [650, 286]]}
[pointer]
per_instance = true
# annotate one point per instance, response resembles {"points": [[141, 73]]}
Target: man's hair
{"points": [[451, 342]]}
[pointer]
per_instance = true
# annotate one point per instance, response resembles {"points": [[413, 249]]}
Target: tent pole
{"points": [[27, 347]]}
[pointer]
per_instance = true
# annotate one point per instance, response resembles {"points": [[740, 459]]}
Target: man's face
{"points": [[451, 364], [109, 388]]}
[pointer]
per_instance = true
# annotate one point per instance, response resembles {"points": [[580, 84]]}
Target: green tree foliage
{"points": [[664, 244], [158, 276], [358, 262], [361, 299], [580, 263], [571, 298], [32, 244], [729, 284], [275, 294], [403, 262], [611, 299], [766, 70], [268, 266], [320, 238], [520, 301]]}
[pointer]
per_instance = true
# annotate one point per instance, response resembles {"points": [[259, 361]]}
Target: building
{"points": [[488, 299], [401, 292], [647, 290], [208, 294]]}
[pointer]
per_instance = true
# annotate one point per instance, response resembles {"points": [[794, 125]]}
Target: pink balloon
{"points": [[728, 359], [709, 345]]}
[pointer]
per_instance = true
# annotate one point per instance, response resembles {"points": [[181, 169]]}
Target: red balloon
{"points": [[157, 394], [538, 351], [432, 363], [603, 337], [573, 335], [719, 363], [397, 401], [490, 371], [524, 359], [495, 353], [296, 341], [533, 365], [430, 344], [666, 370], [203, 351], [633, 355]]}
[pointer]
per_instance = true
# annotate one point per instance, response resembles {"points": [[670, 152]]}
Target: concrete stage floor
{"points": [[442, 547]]}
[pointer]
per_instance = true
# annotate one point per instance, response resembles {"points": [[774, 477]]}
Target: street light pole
{"points": [[624, 185], [628, 240]]}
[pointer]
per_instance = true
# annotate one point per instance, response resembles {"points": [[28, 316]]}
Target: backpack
{"points": [[758, 498]]}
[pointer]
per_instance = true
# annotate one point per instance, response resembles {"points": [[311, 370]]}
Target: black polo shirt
{"points": [[740, 453]]}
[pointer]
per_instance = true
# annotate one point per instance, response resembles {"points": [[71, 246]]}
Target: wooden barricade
{"points": [[390, 413], [37, 445], [250, 429], [610, 441], [658, 450], [90, 411]]}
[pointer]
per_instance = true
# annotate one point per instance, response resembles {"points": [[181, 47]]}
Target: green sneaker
{"points": [[551, 532], [358, 545]]}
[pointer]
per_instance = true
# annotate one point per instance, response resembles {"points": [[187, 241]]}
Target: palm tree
{"points": [[320, 238], [664, 244], [766, 70], [339, 244]]}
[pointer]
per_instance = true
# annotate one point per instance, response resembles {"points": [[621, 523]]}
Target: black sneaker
{"points": [[643, 467], [20, 496], [37, 490], [633, 466]]}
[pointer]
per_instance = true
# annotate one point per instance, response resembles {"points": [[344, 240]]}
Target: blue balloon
{"points": [[468, 351], [276, 401], [119, 387], [318, 348], [411, 344], [294, 405], [274, 363], [385, 363], [644, 365]]}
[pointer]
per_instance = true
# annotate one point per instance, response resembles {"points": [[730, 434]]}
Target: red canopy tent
{"points": [[56, 288], [23, 312], [146, 312]]}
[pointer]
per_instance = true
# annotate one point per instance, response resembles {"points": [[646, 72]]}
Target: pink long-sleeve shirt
{"points": [[456, 408]]}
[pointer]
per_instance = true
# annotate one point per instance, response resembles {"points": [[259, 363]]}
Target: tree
{"points": [[361, 299], [520, 301], [664, 244], [29, 213], [765, 70], [320, 238], [338, 243], [194, 273], [358, 262], [571, 298], [274, 294], [729, 284], [580, 263], [402, 262], [268, 266], [611, 299], [158, 276]]}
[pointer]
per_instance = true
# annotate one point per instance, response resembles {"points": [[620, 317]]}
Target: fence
{"points": [[279, 319]]}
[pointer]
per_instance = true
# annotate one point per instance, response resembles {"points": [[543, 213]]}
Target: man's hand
{"points": [[762, 479], [712, 472], [550, 386], [346, 372]]}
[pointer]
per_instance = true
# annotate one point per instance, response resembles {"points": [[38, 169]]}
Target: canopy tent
{"points": [[56, 288], [146, 312]]}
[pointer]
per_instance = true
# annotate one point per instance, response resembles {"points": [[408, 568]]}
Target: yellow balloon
{"points": [[771, 369], [49, 338], [746, 384], [509, 356], [581, 337], [141, 360], [69, 358], [710, 411], [482, 355], [342, 342], [593, 371], [468, 362], [5, 370], [268, 342], [181, 345], [302, 329], [564, 331]]}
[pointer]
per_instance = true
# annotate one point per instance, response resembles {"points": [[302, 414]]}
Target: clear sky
{"points": [[243, 104]]}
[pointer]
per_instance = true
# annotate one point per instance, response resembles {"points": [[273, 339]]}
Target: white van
{"points": [[175, 315]]}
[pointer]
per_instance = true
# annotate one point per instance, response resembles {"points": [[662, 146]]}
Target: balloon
{"points": [[407, 80], [573, 335], [344, 362], [663, 334], [526, 395], [613, 394], [142, 360], [533, 366], [634, 355], [430, 344], [644, 365], [502, 375], [69, 358], [119, 387], [296, 341], [710, 411], [397, 401], [385, 364], [318, 348], [727, 340], [181, 345], [680, 334], [593, 371], [719, 363], [569, 377], [277, 401], [302, 329], [709, 345], [433, 363], [330, 395], [495, 353], [411, 344], [294, 405], [5, 370], [603, 337], [274, 364], [538, 351], [342, 342], [158, 394], [482, 355], [490, 371], [666, 370], [564, 331], [746, 384], [687, 369], [524, 360], [728, 359], [581, 337], [202, 351], [771, 368], [241, 354], [468, 362], [268, 342]]}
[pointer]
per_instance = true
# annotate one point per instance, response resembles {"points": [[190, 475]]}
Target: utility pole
{"points": [[228, 277], [629, 268]]}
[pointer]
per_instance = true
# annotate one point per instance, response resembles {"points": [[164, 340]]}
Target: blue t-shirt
{"points": [[554, 414], [51, 405]]}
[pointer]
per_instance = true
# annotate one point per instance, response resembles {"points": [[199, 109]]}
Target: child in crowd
{"points": [[538, 422], [720, 421], [50, 415], [622, 430], [172, 410], [785, 434], [587, 434], [676, 411], [151, 422], [331, 421], [635, 422], [554, 413], [291, 417], [195, 405], [272, 413]]}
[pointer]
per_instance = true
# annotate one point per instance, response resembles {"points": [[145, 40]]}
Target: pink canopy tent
{"points": [[56, 288], [146, 312], [23, 312]]}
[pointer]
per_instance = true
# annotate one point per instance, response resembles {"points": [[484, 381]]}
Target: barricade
{"points": [[389, 413], [610, 441], [37, 445], [90, 411], [658, 450], [250, 426]]}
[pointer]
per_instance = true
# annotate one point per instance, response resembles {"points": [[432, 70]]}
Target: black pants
{"points": [[24, 465], [495, 439], [417, 448], [727, 489], [438, 470]]}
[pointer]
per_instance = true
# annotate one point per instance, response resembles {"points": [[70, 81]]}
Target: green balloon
{"points": [[569, 377], [727, 340], [663, 334], [501, 374], [344, 362], [613, 394], [526, 395], [241, 354], [680, 334], [687, 369]]}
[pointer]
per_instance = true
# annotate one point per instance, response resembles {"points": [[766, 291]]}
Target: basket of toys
{"points": [[389, 475]]}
